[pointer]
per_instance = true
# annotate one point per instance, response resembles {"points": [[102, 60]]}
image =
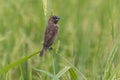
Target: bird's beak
{"points": [[58, 18]]}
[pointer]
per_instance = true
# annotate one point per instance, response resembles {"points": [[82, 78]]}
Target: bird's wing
{"points": [[50, 35]]}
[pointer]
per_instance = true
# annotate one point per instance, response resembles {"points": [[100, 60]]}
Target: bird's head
{"points": [[54, 19]]}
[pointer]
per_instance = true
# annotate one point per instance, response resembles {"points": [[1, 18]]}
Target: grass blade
{"points": [[45, 72], [10, 66], [64, 70], [73, 74], [109, 62]]}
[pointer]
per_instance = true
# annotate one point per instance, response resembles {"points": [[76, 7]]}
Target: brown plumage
{"points": [[50, 33]]}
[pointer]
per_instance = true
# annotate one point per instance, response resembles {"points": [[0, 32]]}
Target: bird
{"points": [[51, 33]]}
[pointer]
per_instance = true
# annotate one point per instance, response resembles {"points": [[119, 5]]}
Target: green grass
{"points": [[87, 47]]}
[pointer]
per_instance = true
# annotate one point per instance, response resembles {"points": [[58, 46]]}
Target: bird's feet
{"points": [[50, 48]]}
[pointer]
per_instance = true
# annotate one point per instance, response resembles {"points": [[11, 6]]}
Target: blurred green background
{"points": [[88, 39]]}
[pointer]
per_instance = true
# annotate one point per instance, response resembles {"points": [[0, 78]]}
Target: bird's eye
{"points": [[55, 17]]}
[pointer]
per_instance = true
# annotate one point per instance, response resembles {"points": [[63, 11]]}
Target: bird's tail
{"points": [[42, 52]]}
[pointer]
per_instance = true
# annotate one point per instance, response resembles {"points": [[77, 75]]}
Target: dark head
{"points": [[54, 19]]}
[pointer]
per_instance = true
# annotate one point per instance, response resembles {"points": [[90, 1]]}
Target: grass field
{"points": [[87, 47]]}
